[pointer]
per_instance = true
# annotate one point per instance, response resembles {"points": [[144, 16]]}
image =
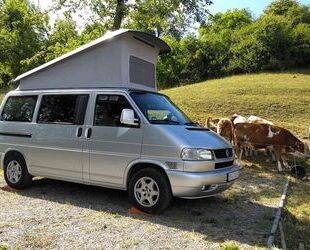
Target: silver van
{"points": [[131, 139], [126, 139]]}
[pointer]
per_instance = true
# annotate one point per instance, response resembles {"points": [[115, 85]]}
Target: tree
{"points": [[229, 20], [157, 16], [300, 49], [120, 12], [22, 30], [262, 45], [248, 54], [63, 31], [280, 7], [111, 13], [295, 12], [162, 17], [182, 64], [61, 39], [216, 38], [92, 32], [299, 14]]}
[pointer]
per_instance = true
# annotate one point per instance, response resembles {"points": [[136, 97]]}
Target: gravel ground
{"points": [[55, 214]]}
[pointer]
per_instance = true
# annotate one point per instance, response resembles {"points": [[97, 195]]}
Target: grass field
{"points": [[283, 98]]}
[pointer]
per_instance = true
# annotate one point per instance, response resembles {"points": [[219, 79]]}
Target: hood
{"points": [[195, 137]]}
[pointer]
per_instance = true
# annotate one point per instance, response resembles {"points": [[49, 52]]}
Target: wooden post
{"points": [[283, 243], [278, 216]]}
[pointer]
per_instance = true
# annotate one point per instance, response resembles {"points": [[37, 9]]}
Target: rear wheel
{"points": [[149, 190], [16, 173]]}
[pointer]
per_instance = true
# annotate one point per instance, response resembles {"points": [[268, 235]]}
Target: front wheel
{"points": [[149, 190]]}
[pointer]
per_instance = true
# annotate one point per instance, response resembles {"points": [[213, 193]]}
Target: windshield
{"points": [[158, 109]]}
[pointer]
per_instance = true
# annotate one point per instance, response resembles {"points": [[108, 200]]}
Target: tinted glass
{"points": [[19, 108], [158, 109], [64, 109], [108, 110]]}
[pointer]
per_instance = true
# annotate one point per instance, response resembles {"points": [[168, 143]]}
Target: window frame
{"points": [[80, 122], [18, 95], [121, 125]]}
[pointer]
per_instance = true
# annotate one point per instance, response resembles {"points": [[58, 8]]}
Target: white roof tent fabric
{"points": [[123, 58]]}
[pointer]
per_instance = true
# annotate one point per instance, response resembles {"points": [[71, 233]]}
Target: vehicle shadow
{"points": [[233, 216]]}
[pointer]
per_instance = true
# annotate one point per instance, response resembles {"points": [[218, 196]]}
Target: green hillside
{"points": [[283, 98]]}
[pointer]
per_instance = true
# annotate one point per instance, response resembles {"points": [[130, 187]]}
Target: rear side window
{"points": [[19, 108], [63, 109], [108, 110]]}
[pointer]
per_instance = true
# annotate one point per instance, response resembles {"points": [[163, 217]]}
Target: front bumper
{"points": [[201, 184]]}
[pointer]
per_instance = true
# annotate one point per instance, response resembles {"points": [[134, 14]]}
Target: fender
{"points": [[142, 161], [13, 149]]}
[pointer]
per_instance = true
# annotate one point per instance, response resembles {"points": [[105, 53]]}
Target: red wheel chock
{"points": [[9, 189], [134, 210]]}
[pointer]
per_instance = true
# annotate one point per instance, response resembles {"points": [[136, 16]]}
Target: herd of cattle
{"points": [[254, 133]]}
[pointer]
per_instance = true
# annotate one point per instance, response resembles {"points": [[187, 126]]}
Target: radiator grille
{"points": [[223, 153], [225, 164]]}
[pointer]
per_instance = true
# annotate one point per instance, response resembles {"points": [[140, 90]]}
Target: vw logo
{"points": [[227, 153]]}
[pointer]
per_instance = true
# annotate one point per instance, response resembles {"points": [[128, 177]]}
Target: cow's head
{"points": [[302, 147], [306, 149]]}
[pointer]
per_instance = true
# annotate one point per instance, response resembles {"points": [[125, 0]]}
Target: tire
{"points": [[142, 190], [16, 173]]}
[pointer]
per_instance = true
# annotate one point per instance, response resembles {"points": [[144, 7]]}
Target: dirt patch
{"points": [[55, 214]]}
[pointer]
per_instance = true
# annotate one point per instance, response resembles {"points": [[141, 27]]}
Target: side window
{"points": [[108, 110], [63, 109], [19, 108], [141, 72]]}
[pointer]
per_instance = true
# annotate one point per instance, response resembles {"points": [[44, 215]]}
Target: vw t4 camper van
{"points": [[94, 116]]}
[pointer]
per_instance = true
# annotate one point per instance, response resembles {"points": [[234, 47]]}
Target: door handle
{"points": [[88, 132], [79, 132]]}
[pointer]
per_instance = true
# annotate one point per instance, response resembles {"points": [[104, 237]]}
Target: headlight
{"points": [[196, 154]]}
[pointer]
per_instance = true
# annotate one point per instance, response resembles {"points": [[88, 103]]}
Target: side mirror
{"points": [[128, 117]]}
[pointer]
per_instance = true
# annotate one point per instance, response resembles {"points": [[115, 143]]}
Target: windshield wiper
{"points": [[191, 124], [165, 122]]}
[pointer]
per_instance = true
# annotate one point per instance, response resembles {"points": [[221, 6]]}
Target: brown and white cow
{"points": [[225, 128], [236, 118], [259, 120], [211, 123], [222, 126], [255, 135]]}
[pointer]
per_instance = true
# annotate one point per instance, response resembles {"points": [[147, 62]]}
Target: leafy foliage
{"points": [[226, 43], [233, 42], [157, 16], [163, 17], [22, 31]]}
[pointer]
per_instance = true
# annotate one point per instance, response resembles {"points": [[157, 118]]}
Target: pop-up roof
{"points": [[123, 58]]}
